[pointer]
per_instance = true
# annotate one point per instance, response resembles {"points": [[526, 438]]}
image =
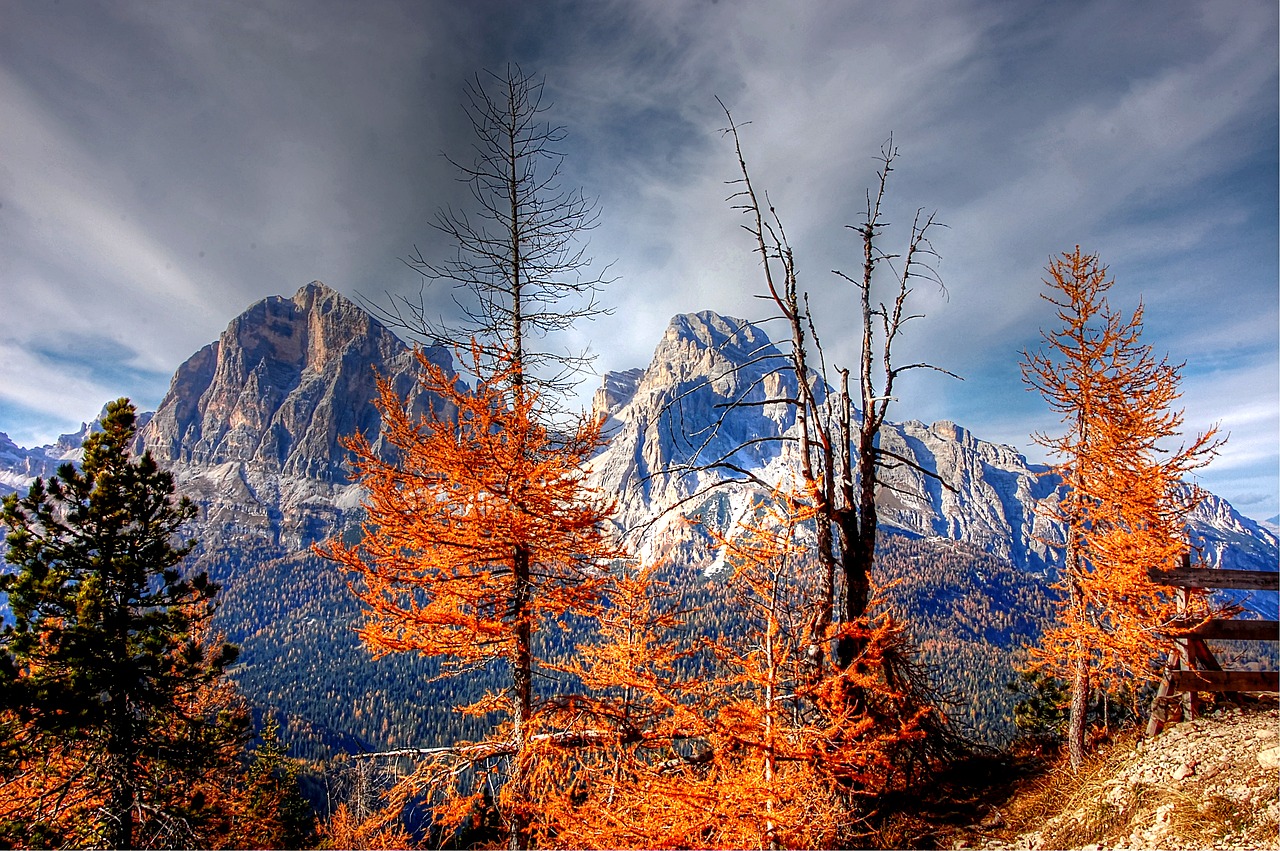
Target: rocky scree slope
{"points": [[1209, 783]]}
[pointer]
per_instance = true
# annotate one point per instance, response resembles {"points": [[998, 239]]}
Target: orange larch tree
{"points": [[798, 752], [1123, 499], [728, 740], [636, 723], [344, 830], [479, 531]]}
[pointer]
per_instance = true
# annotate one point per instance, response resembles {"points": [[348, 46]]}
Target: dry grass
{"points": [[1041, 802], [1203, 821], [1091, 807]]}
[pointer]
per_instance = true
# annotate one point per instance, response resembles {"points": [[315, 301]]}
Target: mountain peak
{"points": [[282, 383], [713, 406], [710, 346], [710, 330], [616, 390], [318, 293]]}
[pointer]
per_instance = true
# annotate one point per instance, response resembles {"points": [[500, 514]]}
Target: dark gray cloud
{"points": [[162, 165]]}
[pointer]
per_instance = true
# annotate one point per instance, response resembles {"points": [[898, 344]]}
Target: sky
{"points": [[163, 165]]}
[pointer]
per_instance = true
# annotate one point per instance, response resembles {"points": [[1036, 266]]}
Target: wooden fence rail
{"points": [[1192, 666], [1206, 577]]}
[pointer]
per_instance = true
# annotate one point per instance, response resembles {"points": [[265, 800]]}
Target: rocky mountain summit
{"points": [[19, 466], [252, 422], [711, 407]]}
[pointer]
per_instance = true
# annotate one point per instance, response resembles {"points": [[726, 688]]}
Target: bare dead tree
{"points": [[841, 460], [520, 271], [858, 529]]}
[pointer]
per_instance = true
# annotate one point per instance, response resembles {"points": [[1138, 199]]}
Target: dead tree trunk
{"points": [[829, 436]]}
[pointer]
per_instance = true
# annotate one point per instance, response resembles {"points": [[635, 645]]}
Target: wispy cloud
{"points": [[37, 389]]}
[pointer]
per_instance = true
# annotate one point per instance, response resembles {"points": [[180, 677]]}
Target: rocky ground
{"points": [[1209, 783]]}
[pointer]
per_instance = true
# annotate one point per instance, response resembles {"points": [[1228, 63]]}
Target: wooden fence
{"points": [[1192, 667]]}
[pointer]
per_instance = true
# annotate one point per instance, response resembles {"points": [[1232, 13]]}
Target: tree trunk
{"points": [[522, 685], [821, 623], [862, 558], [121, 835], [858, 547], [1074, 568], [121, 796], [121, 756], [1079, 709], [770, 690]]}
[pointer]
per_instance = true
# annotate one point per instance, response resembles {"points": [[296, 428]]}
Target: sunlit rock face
{"points": [[252, 423], [712, 406], [279, 387]]}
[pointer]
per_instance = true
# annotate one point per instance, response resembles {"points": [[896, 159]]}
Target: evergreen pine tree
{"points": [[271, 811], [105, 664]]}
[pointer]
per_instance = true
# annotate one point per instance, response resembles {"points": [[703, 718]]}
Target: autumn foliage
{"points": [[346, 830], [1123, 500], [726, 740], [480, 532], [479, 518], [196, 786]]}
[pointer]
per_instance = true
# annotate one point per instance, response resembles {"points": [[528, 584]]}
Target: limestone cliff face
{"points": [[252, 423], [676, 430], [279, 387], [668, 440], [703, 412]]}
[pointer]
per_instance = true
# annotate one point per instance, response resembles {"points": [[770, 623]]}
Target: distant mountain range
{"points": [[668, 422], [251, 427]]}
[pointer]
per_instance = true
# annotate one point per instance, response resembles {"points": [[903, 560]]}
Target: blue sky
{"points": [[165, 164]]}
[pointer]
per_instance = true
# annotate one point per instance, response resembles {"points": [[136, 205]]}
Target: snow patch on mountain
{"points": [[19, 467], [705, 430]]}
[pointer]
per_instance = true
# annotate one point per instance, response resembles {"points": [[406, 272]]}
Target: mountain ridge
{"points": [[252, 424], [712, 396], [255, 419]]}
